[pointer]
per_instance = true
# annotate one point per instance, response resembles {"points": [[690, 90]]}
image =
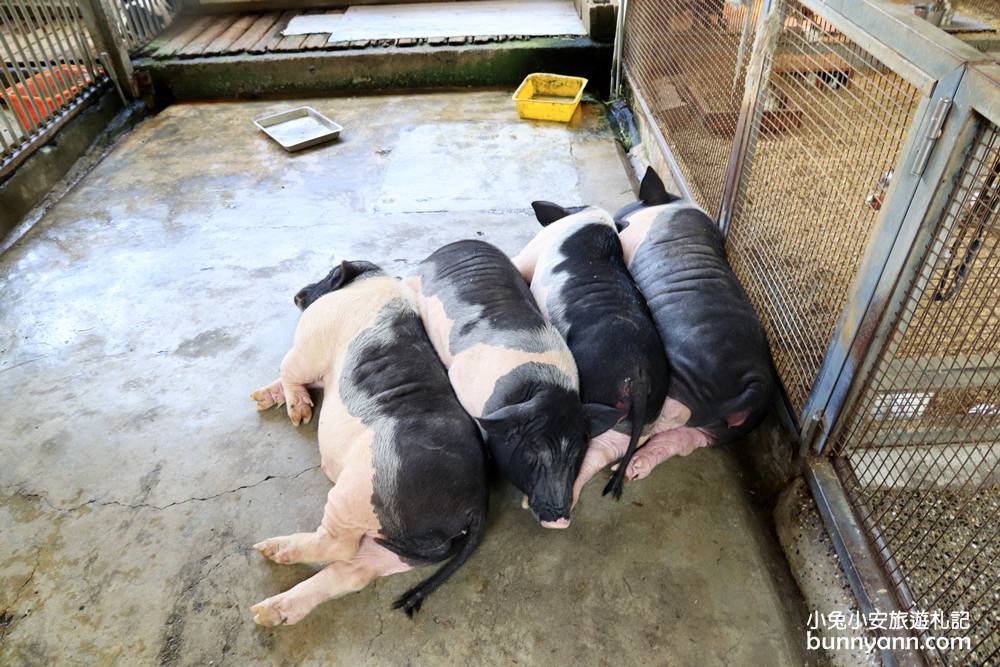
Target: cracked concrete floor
{"points": [[139, 313]]}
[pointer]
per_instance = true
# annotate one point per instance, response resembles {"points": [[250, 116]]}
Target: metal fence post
{"points": [[111, 46], [769, 24]]}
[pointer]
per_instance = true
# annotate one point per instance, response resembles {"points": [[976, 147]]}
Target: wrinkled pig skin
{"points": [[579, 278], [720, 364], [407, 462], [511, 370]]}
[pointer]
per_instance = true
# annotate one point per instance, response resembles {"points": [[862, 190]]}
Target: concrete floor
{"points": [[137, 316]]}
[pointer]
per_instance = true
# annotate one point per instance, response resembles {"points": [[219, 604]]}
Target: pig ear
{"points": [[652, 191], [601, 417], [492, 425], [546, 212], [348, 271], [497, 418], [510, 413]]}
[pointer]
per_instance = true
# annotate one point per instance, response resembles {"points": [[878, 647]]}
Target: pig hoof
{"points": [[300, 415], [300, 408], [275, 611], [637, 471], [269, 396], [278, 549]]}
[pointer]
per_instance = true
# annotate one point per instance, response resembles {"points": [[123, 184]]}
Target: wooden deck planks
{"points": [[314, 42], [319, 40], [258, 29], [175, 41], [197, 45], [273, 36], [225, 41]]}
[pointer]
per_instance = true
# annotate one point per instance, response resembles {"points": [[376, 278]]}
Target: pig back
{"points": [[427, 455], [715, 344], [594, 303], [484, 297]]}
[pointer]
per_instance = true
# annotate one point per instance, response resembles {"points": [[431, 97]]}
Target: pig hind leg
{"points": [[606, 448], [676, 442], [274, 394], [339, 578], [269, 396], [336, 539], [299, 402]]}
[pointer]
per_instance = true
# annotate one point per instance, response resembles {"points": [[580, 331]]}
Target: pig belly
{"points": [[349, 509], [474, 372], [339, 433]]}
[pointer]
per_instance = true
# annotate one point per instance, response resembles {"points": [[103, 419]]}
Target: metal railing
{"points": [[857, 176], [49, 64], [139, 21], [57, 53]]}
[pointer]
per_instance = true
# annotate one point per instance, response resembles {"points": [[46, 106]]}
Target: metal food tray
{"points": [[298, 128]]}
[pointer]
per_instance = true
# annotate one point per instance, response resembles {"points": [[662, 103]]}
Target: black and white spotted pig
{"points": [[578, 276], [408, 463], [721, 378], [511, 370]]}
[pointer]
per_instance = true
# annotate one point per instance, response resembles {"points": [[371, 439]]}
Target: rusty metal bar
{"points": [[863, 568]]}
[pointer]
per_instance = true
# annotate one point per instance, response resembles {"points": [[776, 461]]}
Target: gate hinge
{"points": [[935, 125], [814, 428]]}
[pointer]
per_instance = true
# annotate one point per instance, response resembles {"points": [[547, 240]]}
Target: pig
{"points": [[721, 376], [578, 276], [407, 462], [511, 370]]}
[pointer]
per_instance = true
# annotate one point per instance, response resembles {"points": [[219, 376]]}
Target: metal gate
{"points": [[860, 195], [56, 54], [918, 445]]}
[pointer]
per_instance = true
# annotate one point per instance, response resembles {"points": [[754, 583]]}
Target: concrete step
{"points": [[395, 67]]}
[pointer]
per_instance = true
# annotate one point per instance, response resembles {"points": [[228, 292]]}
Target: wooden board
{"points": [[225, 41], [185, 35], [273, 36], [812, 62], [197, 45], [262, 26]]}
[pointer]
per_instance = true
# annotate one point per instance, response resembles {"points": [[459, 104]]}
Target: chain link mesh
{"points": [[688, 59], [830, 123], [921, 445]]}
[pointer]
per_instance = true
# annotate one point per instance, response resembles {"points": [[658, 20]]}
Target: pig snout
{"points": [[552, 504]]}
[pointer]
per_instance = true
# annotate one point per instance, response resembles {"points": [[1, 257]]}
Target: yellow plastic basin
{"points": [[549, 96]]}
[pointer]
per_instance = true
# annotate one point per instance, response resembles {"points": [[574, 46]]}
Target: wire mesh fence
{"points": [[688, 58], [987, 11], [921, 446], [49, 62], [829, 127], [822, 136]]}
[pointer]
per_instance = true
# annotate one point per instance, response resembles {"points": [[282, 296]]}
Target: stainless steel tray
{"points": [[299, 128]]}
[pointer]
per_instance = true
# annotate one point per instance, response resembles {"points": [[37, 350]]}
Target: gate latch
{"points": [[935, 125]]}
